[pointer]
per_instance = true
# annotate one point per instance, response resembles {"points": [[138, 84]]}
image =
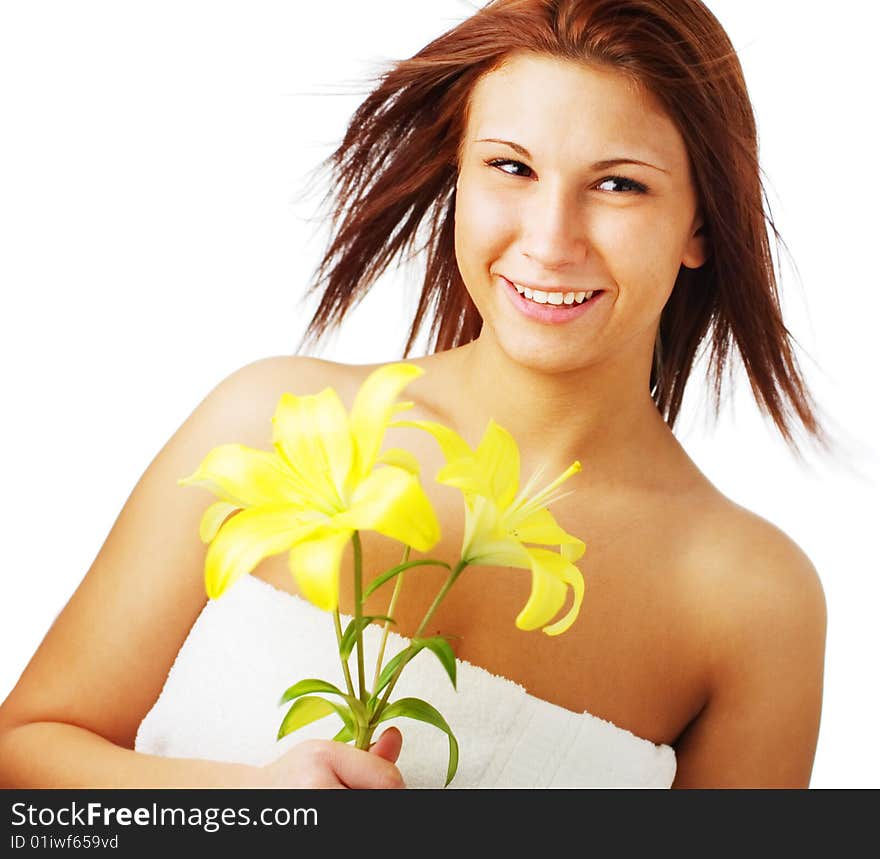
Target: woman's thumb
{"points": [[388, 745]]}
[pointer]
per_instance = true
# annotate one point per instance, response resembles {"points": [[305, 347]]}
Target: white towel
{"points": [[220, 702]]}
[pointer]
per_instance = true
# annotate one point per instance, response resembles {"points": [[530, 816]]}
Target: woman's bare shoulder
{"points": [[246, 398], [298, 374], [733, 548], [762, 621], [741, 568]]}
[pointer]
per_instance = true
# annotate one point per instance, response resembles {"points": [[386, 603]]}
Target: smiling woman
{"points": [[597, 86], [581, 179], [562, 225]]}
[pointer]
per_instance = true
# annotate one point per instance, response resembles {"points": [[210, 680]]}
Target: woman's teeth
{"points": [[540, 297]]}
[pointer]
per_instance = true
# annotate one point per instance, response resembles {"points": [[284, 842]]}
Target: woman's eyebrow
{"points": [[599, 165]]}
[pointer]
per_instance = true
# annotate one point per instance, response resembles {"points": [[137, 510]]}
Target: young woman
{"points": [[581, 177]]}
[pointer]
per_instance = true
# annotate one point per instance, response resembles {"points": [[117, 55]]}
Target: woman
{"points": [[584, 178]]}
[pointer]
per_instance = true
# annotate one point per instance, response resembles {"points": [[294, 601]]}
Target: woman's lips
{"points": [[549, 313]]}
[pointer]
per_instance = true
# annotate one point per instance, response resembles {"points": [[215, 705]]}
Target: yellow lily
{"points": [[315, 489], [499, 520]]}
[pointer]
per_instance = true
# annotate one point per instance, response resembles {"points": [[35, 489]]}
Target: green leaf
{"points": [[356, 625], [390, 574], [304, 687], [444, 652], [358, 709], [372, 703], [344, 736], [304, 711], [437, 644], [391, 667], [416, 708]]}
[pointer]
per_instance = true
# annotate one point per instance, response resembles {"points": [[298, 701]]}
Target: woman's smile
{"points": [[551, 306]]}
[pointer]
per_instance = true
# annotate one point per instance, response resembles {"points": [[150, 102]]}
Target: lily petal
{"points": [[541, 527], [575, 579], [573, 550], [501, 553], [497, 457], [491, 470], [213, 518], [545, 600], [312, 434], [401, 458], [482, 528], [391, 501], [247, 477], [315, 565], [466, 475], [454, 447], [248, 537], [551, 573], [374, 404]]}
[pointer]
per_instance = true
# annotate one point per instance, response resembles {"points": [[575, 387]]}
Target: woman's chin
{"points": [[542, 355]]}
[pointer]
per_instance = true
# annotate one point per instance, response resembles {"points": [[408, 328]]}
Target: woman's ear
{"points": [[696, 251]]}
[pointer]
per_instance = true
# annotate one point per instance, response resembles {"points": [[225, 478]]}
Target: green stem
{"points": [[338, 624], [437, 600], [459, 567], [358, 613], [391, 606], [363, 736]]}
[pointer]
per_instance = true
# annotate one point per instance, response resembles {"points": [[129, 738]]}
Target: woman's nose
{"points": [[552, 232]]}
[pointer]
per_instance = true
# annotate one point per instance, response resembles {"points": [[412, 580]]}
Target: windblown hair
{"points": [[393, 180]]}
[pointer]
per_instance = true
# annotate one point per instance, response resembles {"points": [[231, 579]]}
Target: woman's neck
{"points": [[602, 415]]}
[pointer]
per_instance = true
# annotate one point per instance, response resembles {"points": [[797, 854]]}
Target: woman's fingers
{"points": [[388, 745], [358, 769]]}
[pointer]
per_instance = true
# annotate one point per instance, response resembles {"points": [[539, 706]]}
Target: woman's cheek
{"points": [[639, 254], [613, 244], [484, 228]]}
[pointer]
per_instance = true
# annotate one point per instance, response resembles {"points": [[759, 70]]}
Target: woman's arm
{"points": [[766, 616], [58, 755], [72, 718], [80, 758]]}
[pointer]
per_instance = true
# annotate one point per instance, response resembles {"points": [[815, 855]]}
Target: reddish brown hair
{"points": [[393, 181]]}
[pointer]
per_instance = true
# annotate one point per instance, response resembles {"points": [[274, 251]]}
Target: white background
{"points": [[152, 240]]}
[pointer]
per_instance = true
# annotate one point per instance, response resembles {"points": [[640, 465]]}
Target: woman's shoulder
{"points": [[251, 392], [752, 584], [730, 545], [243, 402], [298, 374], [761, 622], [262, 382]]}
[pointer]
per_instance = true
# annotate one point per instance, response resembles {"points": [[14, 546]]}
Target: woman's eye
{"points": [[517, 168], [503, 163], [628, 184]]}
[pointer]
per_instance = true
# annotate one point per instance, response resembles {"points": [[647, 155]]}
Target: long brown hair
{"points": [[393, 187]]}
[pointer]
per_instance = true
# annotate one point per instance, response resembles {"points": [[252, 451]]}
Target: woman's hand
{"points": [[328, 764]]}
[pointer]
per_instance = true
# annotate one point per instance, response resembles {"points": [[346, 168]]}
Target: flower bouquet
{"points": [[326, 480]]}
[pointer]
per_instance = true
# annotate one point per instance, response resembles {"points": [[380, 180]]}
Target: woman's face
{"points": [[536, 207]]}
